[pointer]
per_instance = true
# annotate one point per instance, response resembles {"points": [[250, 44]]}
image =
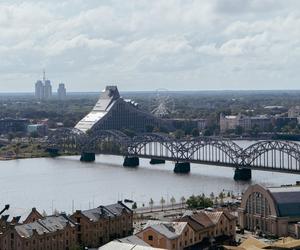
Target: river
{"points": [[66, 184]]}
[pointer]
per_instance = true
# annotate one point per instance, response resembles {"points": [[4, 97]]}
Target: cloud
{"points": [[149, 44]]}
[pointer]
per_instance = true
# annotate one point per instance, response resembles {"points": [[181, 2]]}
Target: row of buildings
{"points": [[262, 123], [88, 228], [194, 229], [96, 227], [23, 126], [43, 89]]}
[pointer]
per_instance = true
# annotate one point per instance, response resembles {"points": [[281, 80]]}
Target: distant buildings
{"points": [[43, 89], [9, 125], [61, 91], [294, 112], [38, 129], [231, 122], [271, 211]]}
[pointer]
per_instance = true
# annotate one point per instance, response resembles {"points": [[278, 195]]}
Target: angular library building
{"points": [[113, 112]]}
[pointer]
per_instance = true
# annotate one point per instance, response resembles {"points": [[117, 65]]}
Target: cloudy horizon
{"points": [[145, 45]]}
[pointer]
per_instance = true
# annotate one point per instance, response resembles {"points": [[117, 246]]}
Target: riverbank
{"points": [[25, 150]]}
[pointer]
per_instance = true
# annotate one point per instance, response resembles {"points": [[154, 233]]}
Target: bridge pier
{"points": [[154, 161], [242, 174], [182, 168], [131, 161], [53, 152], [87, 157]]}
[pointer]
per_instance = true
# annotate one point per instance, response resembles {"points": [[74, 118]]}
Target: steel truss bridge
{"points": [[270, 155]]}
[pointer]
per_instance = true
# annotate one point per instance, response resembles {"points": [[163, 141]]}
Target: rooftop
{"points": [[171, 230]]}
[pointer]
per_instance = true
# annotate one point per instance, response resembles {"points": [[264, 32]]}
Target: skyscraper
{"points": [[39, 90], [61, 91], [43, 88]]}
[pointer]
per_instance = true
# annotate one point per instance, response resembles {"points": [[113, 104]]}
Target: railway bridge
{"points": [[270, 155]]}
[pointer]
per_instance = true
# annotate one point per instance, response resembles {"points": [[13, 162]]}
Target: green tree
{"points": [[151, 203], [195, 132], [134, 205], [182, 200], [173, 201], [162, 203], [179, 134]]}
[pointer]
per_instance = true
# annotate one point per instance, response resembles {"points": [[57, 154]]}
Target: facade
{"points": [[52, 232], [40, 129], [100, 225], [231, 122], [61, 91], [272, 211], [43, 88], [294, 112], [9, 125], [209, 226], [167, 235], [113, 112]]}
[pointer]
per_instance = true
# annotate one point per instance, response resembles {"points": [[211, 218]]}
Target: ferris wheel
{"points": [[162, 104]]}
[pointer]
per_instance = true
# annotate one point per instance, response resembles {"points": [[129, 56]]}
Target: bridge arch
{"points": [[67, 139], [107, 141], [281, 155], [152, 144], [216, 150]]}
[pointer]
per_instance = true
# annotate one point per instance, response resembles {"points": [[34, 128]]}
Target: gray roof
{"points": [[287, 200], [46, 225], [114, 245], [112, 210], [171, 230], [133, 239]]}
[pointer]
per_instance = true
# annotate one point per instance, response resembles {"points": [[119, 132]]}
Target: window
{"points": [[150, 237]]}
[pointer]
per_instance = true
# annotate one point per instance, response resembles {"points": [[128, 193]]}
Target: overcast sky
{"points": [[150, 44]]}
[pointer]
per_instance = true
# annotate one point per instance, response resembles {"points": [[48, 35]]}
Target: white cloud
{"points": [[173, 43]]}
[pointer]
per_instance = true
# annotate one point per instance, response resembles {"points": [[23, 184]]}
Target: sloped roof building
{"points": [[113, 112]]}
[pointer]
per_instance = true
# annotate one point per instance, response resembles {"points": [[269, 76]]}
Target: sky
{"points": [[150, 44]]}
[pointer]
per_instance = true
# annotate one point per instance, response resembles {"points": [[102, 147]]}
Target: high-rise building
{"points": [[61, 91], [43, 88], [39, 90]]}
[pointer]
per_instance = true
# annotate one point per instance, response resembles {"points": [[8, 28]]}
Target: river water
{"points": [[66, 184]]}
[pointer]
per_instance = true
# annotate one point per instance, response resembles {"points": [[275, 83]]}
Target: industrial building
{"points": [[271, 211]]}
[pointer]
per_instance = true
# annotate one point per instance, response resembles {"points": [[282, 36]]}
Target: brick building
{"points": [[56, 232], [102, 224]]}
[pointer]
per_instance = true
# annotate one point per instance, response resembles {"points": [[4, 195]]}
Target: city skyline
{"points": [[145, 45]]}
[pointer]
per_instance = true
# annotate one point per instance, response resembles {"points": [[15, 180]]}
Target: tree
{"points": [[151, 203], [195, 132], [212, 196], [182, 200], [179, 134], [134, 205], [173, 201], [239, 130], [162, 203]]}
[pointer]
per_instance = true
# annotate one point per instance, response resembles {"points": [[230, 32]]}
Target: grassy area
{"points": [[23, 150]]}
